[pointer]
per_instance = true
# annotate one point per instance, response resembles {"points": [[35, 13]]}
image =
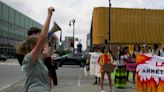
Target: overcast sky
{"points": [[80, 10]]}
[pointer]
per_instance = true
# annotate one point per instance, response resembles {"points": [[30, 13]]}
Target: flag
{"points": [[55, 28]]}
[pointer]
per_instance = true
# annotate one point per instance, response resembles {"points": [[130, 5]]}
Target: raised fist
{"points": [[50, 10]]}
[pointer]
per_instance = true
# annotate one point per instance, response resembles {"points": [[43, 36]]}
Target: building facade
{"points": [[127, 26], [13, 28], [68, 43]]}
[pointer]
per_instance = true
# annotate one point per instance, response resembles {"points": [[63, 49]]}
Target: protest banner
{"points": [[94, 66], [150, 73]]}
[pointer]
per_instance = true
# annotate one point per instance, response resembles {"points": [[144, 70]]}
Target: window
{"points": [[5, 12], [22, 21], [11, 15], [26, 22], [17, 18], [0, 10]]}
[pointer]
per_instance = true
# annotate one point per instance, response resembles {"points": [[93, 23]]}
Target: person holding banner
{"points": [[162, 51], [105, 60], [94, 66], [156, 51], [131, 64]]}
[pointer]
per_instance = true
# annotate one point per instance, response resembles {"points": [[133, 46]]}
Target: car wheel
{"points": [[59, 64], [82, 64]]}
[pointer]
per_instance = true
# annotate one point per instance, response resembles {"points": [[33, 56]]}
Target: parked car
{"points": [[3, 58], [71, 59]]}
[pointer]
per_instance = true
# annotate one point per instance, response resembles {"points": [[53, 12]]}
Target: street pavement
{"points": [[19, 87], [10, 73], [70, 79]]}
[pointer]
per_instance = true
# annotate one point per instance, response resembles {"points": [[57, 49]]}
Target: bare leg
{"points": [[134, 77], [98, 80], [110, 80], [102, 80], [127, 78], [49, 81]]}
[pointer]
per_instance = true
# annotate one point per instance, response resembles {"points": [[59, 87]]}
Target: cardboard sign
{"points": [[109, 67]]}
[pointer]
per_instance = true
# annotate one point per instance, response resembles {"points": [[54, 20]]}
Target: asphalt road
{"points": [[10, 73], [70, 79]]}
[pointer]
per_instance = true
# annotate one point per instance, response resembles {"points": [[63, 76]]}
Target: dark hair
{"points": [[139, 47], [155, 46], [33, 30]]}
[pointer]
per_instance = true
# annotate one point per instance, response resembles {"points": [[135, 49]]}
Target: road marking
{"points": [[79, 78], [6, 86], [7, 63]]}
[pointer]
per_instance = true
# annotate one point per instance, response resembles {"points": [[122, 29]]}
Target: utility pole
{"points": [[72, 22], [109, 20]]}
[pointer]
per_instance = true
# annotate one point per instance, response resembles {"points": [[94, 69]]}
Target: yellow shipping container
{"points": [[127, 26]]}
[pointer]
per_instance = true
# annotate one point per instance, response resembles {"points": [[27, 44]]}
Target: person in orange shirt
{"points": [[105, 58]]}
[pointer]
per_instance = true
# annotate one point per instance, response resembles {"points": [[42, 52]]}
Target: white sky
{"points": [[80, 10]]}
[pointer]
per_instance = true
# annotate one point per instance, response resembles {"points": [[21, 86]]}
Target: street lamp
{"points": [[72, 22], [109, 19]]}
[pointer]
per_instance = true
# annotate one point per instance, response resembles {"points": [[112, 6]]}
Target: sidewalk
{"points": [[19, 87]]}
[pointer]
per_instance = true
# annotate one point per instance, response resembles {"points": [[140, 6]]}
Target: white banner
{"points": [[152, 68], [94, 66]]}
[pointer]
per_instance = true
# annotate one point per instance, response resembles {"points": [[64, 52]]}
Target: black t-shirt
{"points": [[20, 58]]}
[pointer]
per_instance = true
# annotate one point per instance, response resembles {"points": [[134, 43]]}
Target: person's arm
{"points": [[49, 48], [37, 50], [52, 44]]}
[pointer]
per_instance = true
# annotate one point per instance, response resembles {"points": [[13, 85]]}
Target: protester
{"points": [[120, 76], [94, 66], [132, 62], [49, 62], [156, 51], [104, 59], [162, 51], [53, 71], [88, 62], [137, 50], [19, 54], [35, 71], [125, 56], [146, 49]]}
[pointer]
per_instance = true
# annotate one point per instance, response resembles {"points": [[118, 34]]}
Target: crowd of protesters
{"points": [[125, 61], [34, 55]]}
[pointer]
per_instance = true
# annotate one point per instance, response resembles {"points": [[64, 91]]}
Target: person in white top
{"points": [[94, 66], [162, 51], [156, 51]]}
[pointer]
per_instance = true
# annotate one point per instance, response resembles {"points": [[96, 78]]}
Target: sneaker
{"points": [[102, 91]]}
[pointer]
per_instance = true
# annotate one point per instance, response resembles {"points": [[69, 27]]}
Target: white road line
{"points": [[79, 78], [6, 86], [4, 63]]}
